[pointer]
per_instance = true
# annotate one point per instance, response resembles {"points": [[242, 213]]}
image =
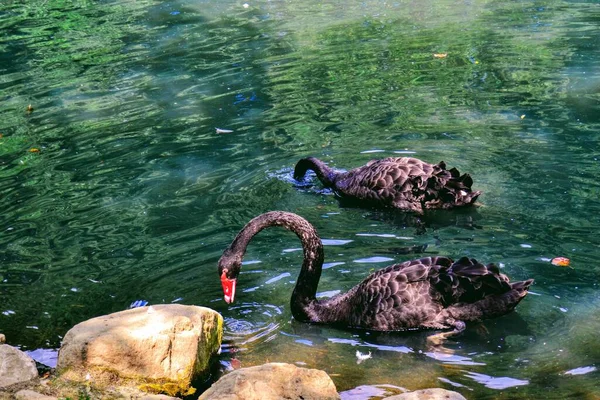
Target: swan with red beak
{"points": [[433, 292]]}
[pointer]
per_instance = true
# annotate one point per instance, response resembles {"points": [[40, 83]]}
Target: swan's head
{"points": [[229, 269]]}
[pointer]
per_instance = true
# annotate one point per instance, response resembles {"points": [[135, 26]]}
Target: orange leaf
{"points": [[561, 261], [34, 150], [440, 55]]}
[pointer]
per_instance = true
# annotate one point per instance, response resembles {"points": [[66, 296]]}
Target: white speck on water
{"points": [[8, 312], [581, 370], [525, 245], [32, 327], [250, 262], [246, 5], [381, 235], [335, 242], [360, 357], [455, 384], [563, 309], [278, 277], [74, 289], [500, 383], [177, 300], [291, 250], [332, 264], [373, 260], [372, 151], [328, 294], [405, 152]]}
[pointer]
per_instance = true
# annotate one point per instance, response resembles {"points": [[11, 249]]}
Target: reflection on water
{"points": [[118, 185], [371, 392], [499, 383]]}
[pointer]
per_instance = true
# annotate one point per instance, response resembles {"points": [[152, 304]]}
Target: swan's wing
{"points": [[387, 181], [397, 297]]}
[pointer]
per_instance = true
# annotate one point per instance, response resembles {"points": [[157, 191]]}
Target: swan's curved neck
{"points": [[306, 286], [325, 174]]}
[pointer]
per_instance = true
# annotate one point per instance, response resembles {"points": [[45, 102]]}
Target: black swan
{"points": [[431, 292], [404, 183]]}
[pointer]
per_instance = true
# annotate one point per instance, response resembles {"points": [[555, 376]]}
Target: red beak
{"points": [[228, 288]]}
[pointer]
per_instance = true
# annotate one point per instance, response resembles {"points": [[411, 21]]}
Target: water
{"points": [[119, 187]]}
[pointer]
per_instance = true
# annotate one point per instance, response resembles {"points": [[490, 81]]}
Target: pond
{"points": [[138, 137]]}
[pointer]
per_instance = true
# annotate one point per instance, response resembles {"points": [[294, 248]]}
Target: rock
{"points": [[273, 381], [428, 394], [163, 346], [2, 338], [15, 366], [31, 395]]}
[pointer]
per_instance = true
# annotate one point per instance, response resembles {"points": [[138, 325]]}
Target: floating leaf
{"points": [[34, 150], [440, 55], [561, 261]]}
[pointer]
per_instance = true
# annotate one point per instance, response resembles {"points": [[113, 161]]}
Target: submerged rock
{"points": [[15, 367], [428, 394], [160, 348], [273, 381]]}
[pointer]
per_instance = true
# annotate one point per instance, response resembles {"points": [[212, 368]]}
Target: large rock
{"points": [[428, 394], [31, 395], [163, 347], [15, 366], [273, 381]]}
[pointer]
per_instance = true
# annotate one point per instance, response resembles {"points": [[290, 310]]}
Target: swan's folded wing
{"points": [[386, 180], [398, 284]]}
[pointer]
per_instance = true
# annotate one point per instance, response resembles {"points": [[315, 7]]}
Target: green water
{"points": [[117, 186]]}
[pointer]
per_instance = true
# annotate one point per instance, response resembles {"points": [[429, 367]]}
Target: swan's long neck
{"points": [[304, 295], [325, 174]]}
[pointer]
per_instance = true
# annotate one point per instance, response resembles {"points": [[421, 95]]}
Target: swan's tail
{"points": [[492, 306], [449, 189]]}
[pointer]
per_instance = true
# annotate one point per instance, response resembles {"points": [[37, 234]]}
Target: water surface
{"points": [[159, 129]]}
